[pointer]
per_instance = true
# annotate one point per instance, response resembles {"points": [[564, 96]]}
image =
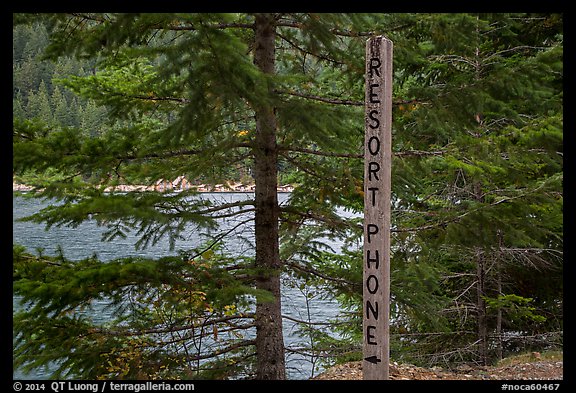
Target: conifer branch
{"points": [[460, 216], [172, 26], [335, 31], [322, 99], [208, 333], [343, 33], [326, 277], [317, 152], [302, 50], [181, 153], [332, 221], [418, 153], [92, 17], [218, 208], [406, 153], [39, 259], [153, 98], [515, 49], [336, 101], [304, 168], [218, 352], [219, 238], [173, 328], [309, 323]]}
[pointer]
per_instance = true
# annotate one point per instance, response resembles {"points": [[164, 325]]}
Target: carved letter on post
{"points": [[377, 194]]}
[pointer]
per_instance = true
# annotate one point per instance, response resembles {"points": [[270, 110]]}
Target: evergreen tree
{"points": [[31, 73], [24, 79], [17, 110], [217, 78], [486, 97], [477, 190], [477, 187], [62, 113], [39, 105], [93, 117]]}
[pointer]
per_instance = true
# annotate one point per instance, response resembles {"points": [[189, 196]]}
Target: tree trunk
{"points": [[481, 290], [481, 307], [499, 288], [269, 339]]}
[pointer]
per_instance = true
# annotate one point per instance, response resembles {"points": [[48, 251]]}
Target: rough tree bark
{"points": [[269, 339], [481, 291], [481, 308]]}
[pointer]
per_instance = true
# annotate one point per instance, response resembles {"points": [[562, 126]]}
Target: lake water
{"points": [[84, 241]]}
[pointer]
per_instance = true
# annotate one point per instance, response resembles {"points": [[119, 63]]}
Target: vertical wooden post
{"points": [[377, 195]]}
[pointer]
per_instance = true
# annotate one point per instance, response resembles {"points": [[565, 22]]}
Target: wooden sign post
{"points": [[377, 194]]}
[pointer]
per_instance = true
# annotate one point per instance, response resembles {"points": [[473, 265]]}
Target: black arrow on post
{"points": [[373, 359]]}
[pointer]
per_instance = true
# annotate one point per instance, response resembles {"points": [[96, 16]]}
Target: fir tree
{"points": [[487, 99], [477, 187], [217, 78]]}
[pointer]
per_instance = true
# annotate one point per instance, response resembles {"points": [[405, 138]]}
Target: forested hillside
{"points": [[39, 91], [477, 184]]}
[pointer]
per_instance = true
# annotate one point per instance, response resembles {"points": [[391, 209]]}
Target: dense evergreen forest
{"points": [[477, 183]]}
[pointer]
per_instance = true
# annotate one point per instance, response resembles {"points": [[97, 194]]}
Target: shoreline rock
{"points": [[173, 186]]}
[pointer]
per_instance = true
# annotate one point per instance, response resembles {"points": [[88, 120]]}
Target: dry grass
{"points": [[529, 357]]}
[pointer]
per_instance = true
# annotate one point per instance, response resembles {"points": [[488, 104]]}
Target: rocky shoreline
{"points": [[179, 184]]}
